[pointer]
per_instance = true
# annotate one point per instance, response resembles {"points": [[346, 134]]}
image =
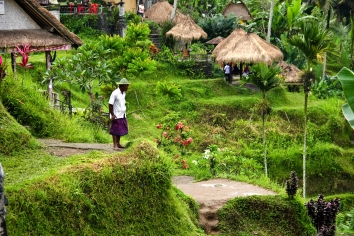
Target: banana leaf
{"points": [[346, 78]]}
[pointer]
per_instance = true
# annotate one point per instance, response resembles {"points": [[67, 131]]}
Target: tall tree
{"points": [[265, 78], [313, 41]]}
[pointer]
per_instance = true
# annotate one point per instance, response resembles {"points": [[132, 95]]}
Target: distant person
{"points": [[227, 70], [117, 113], [246, 71], [141, 9]]}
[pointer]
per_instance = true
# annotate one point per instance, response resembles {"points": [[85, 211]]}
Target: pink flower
{"points": [[179, 126], [165, 134], [159, 126], [185, 166], [0, 60]]}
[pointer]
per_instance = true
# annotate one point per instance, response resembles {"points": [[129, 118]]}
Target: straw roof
{"points": [[215, 41], [239, 9], [161, 11], [186, 31], [290, 72], [53, 33], [240, 46]]}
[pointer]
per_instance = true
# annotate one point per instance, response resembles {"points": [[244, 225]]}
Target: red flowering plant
{"points": [[24, 51], [3, 67], [179, 136]]}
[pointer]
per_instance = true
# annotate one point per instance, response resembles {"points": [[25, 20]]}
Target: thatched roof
{"points": [[53, 33], [186, 31], [215, 41], [161, 12], [239, 9], [290, 72], [240, 46]]}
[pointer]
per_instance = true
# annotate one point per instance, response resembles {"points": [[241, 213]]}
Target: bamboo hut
{"points": [[215, 41], [239, 9], [243, 47], [161, 12], [291, 73], [186, 31]]}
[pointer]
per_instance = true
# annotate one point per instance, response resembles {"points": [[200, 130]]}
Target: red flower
{"points": [[159, 126], [179, 126], [165, 134], [183, 161], [185, 166], [176, 156]]}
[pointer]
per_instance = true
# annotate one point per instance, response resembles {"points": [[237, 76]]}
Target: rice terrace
{"points": [[177, 117]]}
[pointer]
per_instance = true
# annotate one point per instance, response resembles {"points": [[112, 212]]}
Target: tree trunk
{"points": [[305, 144], [325, 54], [173, 14], [270, 20], [264, 146]]}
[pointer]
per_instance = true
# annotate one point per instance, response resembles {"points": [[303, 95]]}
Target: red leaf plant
{"points": [[24, 50]]}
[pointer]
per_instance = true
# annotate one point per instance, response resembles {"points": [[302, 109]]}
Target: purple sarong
{"points": [[119, 127]]}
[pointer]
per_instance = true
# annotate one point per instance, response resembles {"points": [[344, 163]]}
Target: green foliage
{"points": [[168, 42], [346, 77], [14, 137], [256, 214], [228, 162], [85, 25], [218, 25], [327, 88]]}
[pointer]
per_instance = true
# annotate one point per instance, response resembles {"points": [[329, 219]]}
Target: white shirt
{"points": [[227, 69], [117, 99], [141, 8]]}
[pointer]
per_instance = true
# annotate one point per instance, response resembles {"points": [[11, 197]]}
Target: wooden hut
{"points": [[239, 9], [292, 76], [161, 11]]}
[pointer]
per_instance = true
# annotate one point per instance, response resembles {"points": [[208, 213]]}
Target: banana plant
{"points": [[346, 78]]}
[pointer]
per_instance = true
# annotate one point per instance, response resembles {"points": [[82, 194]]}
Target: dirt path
{"points": [[210, 194]]}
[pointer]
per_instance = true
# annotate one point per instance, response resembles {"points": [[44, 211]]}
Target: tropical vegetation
{"points": [[184, 123]]}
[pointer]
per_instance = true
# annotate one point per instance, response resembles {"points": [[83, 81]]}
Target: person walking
{"points": [[117, 113], [227, 70]]}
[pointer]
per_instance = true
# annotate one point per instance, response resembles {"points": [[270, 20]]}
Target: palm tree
{"points": [[313, 42], [265, 78]]}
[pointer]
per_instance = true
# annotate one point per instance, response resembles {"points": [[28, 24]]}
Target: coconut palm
{"points": [[265, 78], [313, 42]]}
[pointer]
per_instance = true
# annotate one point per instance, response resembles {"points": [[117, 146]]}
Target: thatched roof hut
{"points": [[39, 28], [161, 12], [244, 47], [239, 9], [215, 41], [290, 72], [186, 31]]}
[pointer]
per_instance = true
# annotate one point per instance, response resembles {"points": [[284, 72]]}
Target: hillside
{"points": [[217, 113]]}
